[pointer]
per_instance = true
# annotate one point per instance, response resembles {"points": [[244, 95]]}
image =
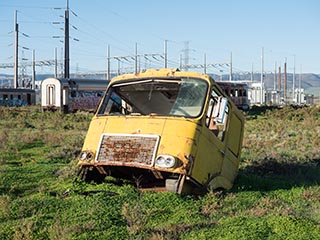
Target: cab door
{"points": [[234, 135], [211, 145], [226, 124]]}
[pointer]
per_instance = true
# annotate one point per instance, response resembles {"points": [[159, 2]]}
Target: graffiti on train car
{"points": [[85, 100], [17, 97]]}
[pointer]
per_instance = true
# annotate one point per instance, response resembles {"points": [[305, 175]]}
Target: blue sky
{"points": [[216, 28]]}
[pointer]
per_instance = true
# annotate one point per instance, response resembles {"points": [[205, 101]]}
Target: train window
{"points": [[244, 93], [29, 99], [51, 94], [73, 93]]}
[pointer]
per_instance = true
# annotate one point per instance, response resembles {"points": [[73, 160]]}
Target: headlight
{"points": [[165, 161], [86, 156]]}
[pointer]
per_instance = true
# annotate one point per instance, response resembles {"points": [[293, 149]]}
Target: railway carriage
{"points": [[17, 97], [71, 95], [238, 92]]}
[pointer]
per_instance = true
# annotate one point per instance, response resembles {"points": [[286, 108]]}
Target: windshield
{"points": [[165, 97]]}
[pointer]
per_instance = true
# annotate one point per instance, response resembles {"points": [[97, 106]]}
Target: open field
{"points": [[276, 194]]}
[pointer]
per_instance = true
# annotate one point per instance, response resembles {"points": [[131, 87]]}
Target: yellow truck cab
{"points": [[165, 130]]}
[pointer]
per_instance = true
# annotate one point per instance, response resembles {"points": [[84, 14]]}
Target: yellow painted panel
{"points": [[235, 135], [134, 125], [209, 158], [93, 135]]}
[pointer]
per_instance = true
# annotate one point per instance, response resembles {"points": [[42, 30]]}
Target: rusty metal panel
{"points": [[127, 149]]}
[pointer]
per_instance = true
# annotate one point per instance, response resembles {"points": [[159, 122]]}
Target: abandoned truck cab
{"points": [[165, 130]]}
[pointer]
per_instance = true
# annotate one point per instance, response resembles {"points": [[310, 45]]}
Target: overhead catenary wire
{"points": [[38, 20], [91, 37]]}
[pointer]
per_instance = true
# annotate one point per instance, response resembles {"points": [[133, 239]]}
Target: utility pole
{"points": [[165, 54], [300, 79], [294, 78], [55, 63], [262, 73], [66, 44], [279, 80], [119, 66], [61, 65], [251, 73], [33, 86], [275, 77], [136, 59], [205, 63], [230, 76], [186, 55], [108, 64], [285, 82], [16, 44]]}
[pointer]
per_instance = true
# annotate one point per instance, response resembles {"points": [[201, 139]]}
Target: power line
{"points": [[149, 59], [101, 31], [25, 6]]}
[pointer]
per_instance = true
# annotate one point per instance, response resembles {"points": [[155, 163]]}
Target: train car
{"points": [[165, 130], [238, 93], [17, 97], [71, 95]]}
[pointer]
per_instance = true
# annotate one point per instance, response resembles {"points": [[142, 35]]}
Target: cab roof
{"points": [[162, 73]]}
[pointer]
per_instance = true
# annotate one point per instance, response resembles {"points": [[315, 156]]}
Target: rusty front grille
{"points": [[129, 149]]}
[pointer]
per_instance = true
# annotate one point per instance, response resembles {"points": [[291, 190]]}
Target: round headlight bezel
{"points": [[83, 156], [89, 156], [165, 161], [86, 155]]}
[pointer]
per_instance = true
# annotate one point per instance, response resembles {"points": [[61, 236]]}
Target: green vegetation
{"points": [[276, 194]]}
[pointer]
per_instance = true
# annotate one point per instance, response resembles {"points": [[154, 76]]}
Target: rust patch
{"points": [[127, 149]]}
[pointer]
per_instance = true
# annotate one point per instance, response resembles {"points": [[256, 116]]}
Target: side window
{"points": [[217, 115], [114, 105]]}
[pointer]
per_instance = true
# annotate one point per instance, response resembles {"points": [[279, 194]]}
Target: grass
{"points": [[276, 194]]}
